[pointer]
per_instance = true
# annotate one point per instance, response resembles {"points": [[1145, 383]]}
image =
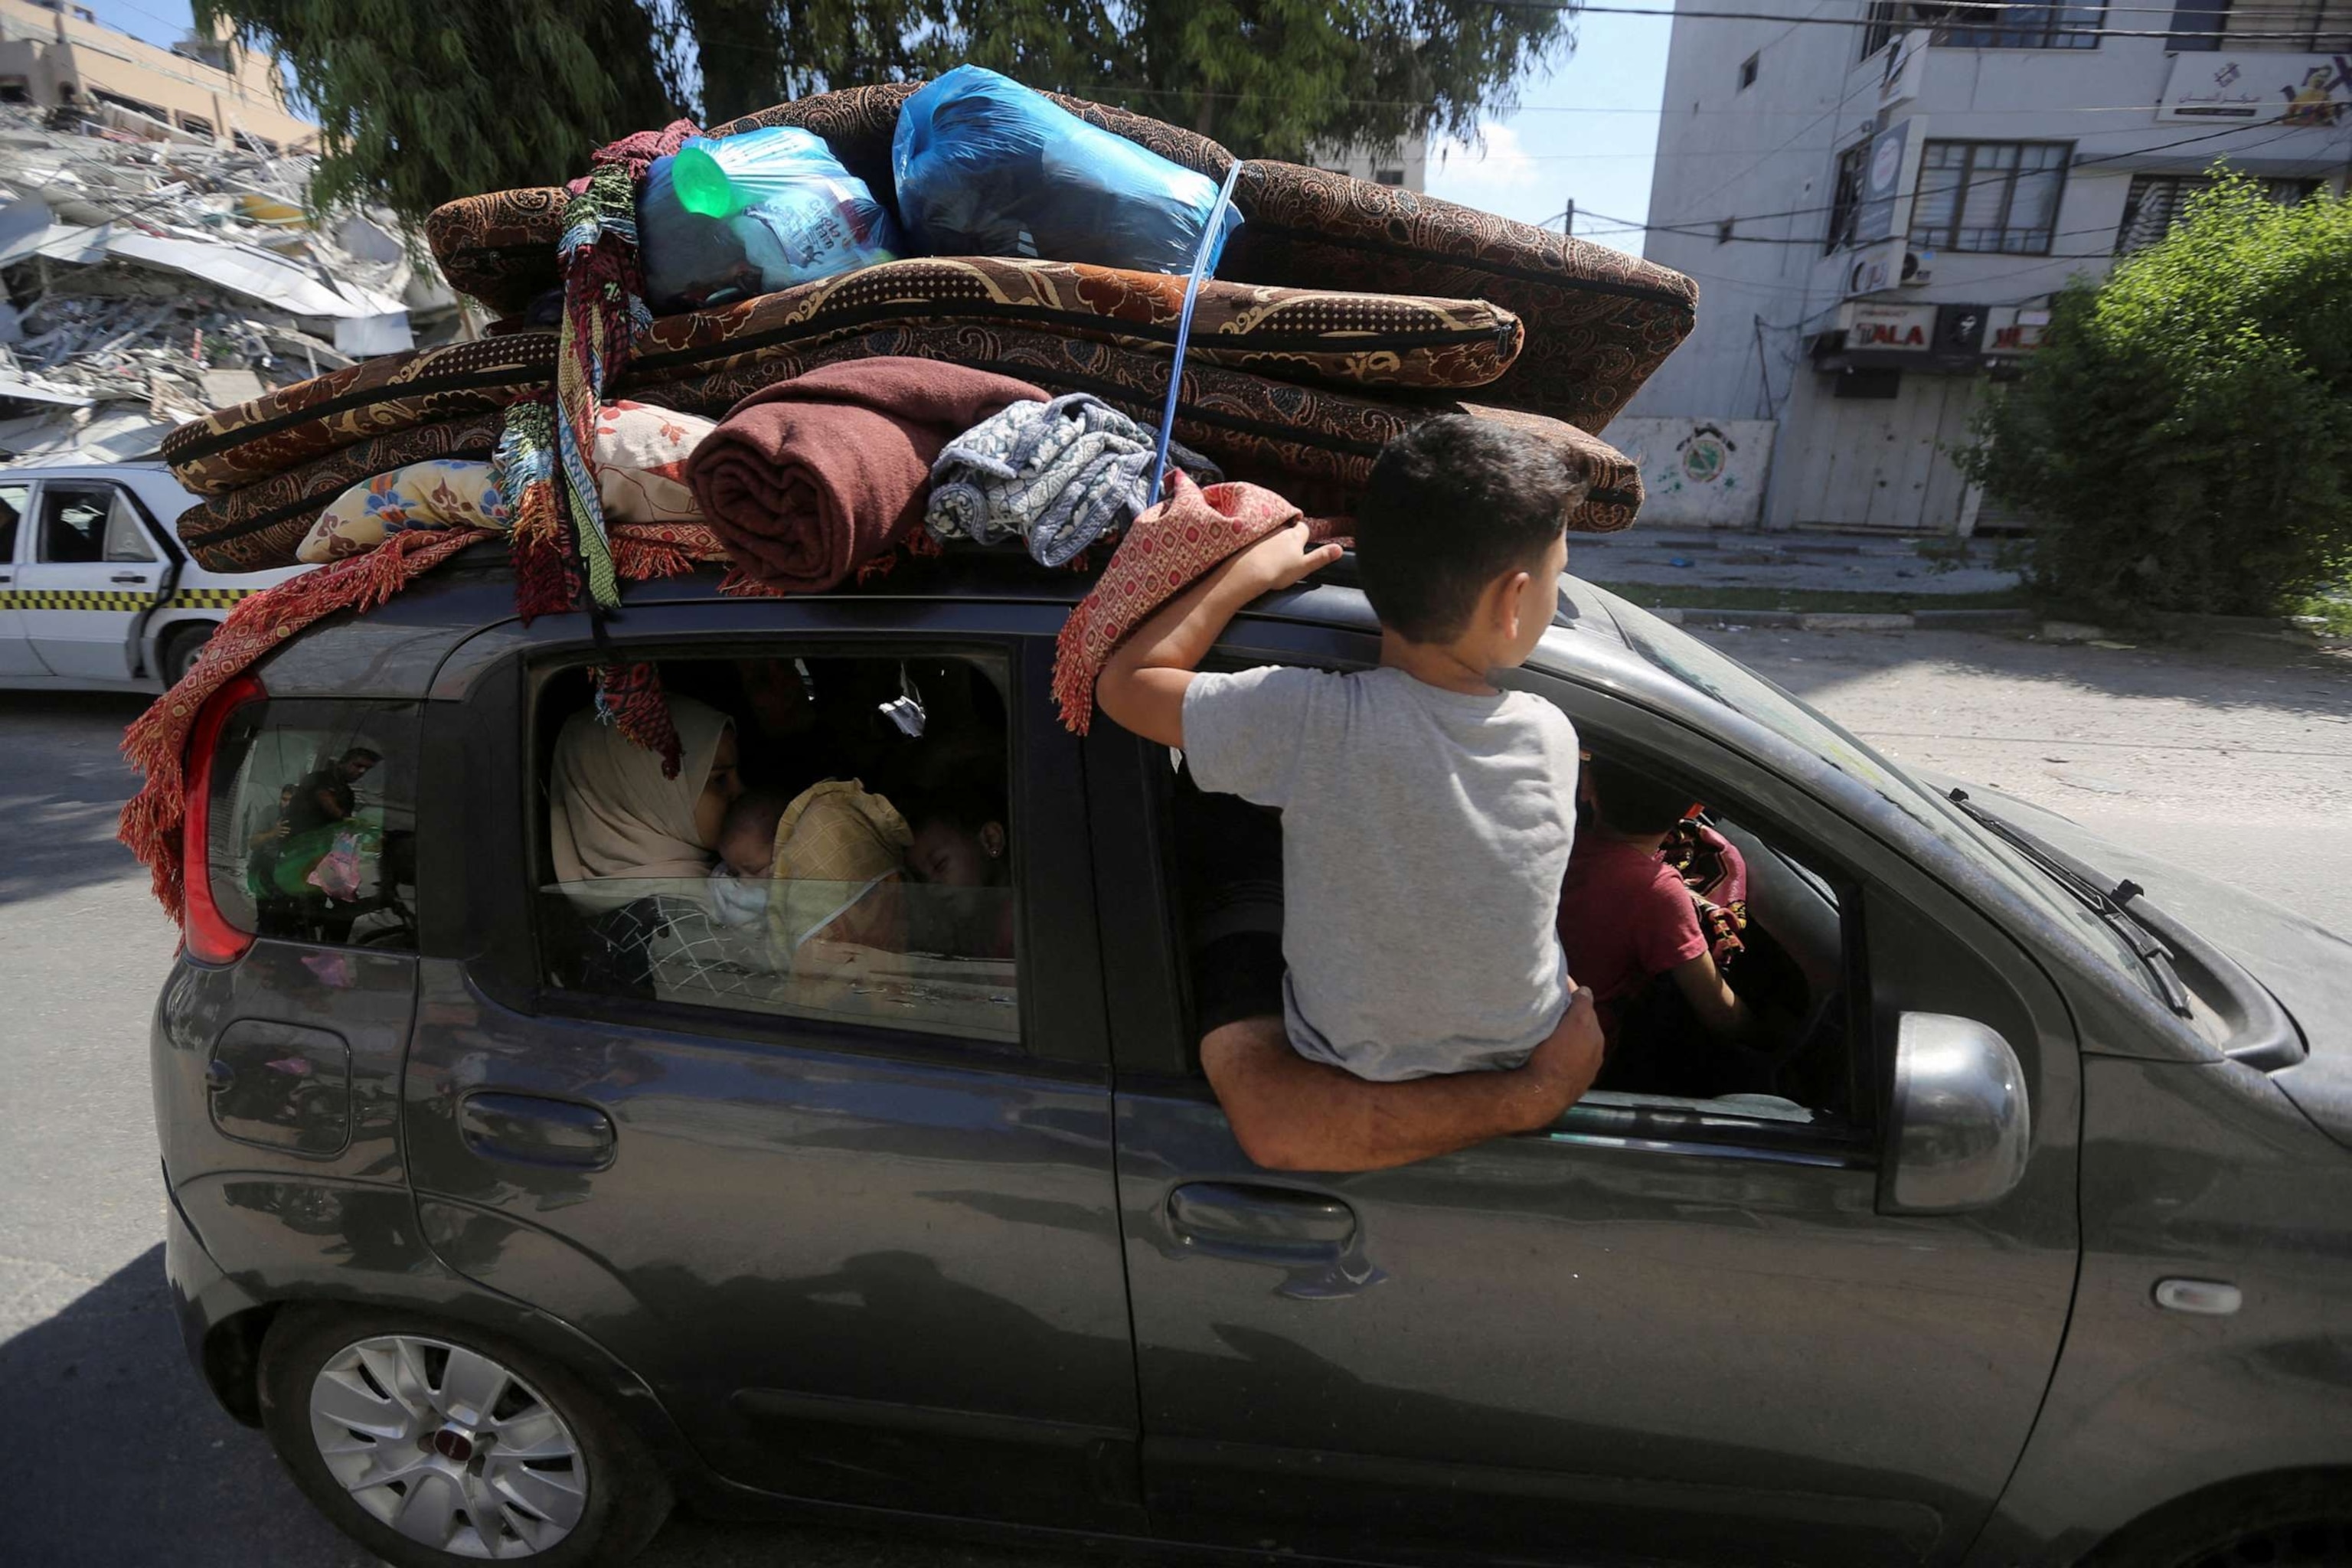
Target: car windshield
{"points": [[1727, 681]]}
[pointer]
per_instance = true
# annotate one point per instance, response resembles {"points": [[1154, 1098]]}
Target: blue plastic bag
{"points": [[987, 167], [792, 214]]}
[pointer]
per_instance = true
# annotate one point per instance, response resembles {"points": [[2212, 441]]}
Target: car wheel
{"points": [[430, 1443], [2303, 1520], [181, 650]]}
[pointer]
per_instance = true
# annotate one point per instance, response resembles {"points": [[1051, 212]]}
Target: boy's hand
{"points": [[1280, 558]]}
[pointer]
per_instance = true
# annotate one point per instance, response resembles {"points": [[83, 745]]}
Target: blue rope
{"points": [[1203, 263]]}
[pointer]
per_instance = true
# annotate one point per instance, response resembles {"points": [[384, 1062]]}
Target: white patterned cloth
{"points": [[1057, 475]]}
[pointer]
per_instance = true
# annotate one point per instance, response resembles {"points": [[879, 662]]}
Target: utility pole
{"points": [[1568, 218]]}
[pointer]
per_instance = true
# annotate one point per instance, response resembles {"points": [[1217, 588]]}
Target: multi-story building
{"points": [[1405, 163], [57, 55], [1879, 200]]}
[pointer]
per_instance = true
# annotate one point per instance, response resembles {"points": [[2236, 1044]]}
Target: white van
{"points": [[96, 593]]}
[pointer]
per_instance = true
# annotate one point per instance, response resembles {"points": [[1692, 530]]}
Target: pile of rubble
{"points": [[149, 276]]}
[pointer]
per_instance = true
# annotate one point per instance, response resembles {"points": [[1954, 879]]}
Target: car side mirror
{"points": [[1963, 1125]]}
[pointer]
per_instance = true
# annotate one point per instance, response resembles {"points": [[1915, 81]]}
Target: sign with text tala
{"points": [[2313, 91], [1890, 329]]}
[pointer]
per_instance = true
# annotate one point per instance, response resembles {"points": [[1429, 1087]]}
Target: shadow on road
{"points": [[117, 1454], [62, 783]]}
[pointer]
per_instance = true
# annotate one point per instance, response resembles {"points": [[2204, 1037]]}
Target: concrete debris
{"points": [[151, 277]]}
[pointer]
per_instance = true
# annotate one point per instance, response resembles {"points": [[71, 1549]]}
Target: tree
{"points": [[420, 102], [2184, 432]]}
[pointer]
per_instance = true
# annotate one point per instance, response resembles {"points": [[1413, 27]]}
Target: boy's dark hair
{"points": [[1454, 503], [1630, 802]]}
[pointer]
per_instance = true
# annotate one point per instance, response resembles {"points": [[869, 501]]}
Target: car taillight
{"points": [[205, 931]]}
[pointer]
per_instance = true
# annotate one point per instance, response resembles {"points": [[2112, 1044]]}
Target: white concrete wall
{"points": [[1698, 473], [1765, 157]]}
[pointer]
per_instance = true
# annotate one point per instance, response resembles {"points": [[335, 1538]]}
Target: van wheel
{"points": [[2302, 1519], [430, 1443], [180, 649]]}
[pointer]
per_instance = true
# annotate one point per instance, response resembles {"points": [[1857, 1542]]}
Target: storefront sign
{"points": [[1890, 329], [1882, 181], [2015, 329], [2295, 89]]}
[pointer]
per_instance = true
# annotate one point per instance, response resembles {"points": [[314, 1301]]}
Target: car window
{"points": [[74, 522], [126, 531], [1732, 684], [838, 846], [313, 822], [14, 499], [1772, 916]]}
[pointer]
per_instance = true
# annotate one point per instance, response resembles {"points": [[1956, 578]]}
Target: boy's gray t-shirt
{"points": [[1425, 836]]}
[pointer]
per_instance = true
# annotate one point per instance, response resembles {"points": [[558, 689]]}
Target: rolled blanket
{"points": [[1059, 475], [1171, 547], [810, 480]]}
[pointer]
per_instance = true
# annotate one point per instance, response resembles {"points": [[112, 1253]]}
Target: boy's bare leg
{"points": [[1291, 1114]]}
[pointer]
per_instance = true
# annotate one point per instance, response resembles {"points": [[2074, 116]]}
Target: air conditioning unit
{"points": [[1914, 271]]}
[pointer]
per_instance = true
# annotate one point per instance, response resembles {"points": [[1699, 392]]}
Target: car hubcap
{"points": [[447, 1447]]}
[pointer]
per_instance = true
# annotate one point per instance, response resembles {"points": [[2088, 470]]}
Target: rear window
{"points": [[314, 823]]}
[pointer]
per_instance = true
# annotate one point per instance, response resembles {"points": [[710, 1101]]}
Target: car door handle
{"points": [[1312, 1237], [529, 1129], [129, 577], [1278, 1219]]}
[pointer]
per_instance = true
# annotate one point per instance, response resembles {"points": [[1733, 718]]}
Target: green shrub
{"points": [[2184, 433]]}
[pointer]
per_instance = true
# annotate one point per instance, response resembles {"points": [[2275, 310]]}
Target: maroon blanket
{"points": [[811, 478]]}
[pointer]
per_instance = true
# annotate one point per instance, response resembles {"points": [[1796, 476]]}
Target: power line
{"points": [[1580, 9]]}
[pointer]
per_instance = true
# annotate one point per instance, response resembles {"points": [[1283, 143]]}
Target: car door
{"points": [[16, 653], [91, 574], [1664, 1330], [865, 1247]]}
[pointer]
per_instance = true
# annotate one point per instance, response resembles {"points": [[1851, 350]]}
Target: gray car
{"points": [[524, 1180]]}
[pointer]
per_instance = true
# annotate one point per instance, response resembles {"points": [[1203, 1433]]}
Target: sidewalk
{"points": [[1806, 562], [1821, 582]]}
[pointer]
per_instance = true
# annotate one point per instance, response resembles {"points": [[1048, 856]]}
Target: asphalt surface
{"points": [[2235, 759]]}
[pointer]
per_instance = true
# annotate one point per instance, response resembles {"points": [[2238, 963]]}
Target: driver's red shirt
{"points": [[1625, 916]]}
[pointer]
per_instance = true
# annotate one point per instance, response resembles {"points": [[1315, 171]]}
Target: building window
{"points": [[1879, 31], [2305, 27], [2056, 26], [2157, 202], [1873, 382], [1747, 73], [1989, 195], [15, 89], [2197, 24], [265, 146], [1846, 199], [134, 105], [197, 125], [1387, 176]]}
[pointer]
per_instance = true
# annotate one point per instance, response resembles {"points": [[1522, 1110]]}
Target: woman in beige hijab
{"points": [[613, 815]]}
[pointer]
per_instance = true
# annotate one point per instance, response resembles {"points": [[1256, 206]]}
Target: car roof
{"points": [[65, 463], [397, 647]]}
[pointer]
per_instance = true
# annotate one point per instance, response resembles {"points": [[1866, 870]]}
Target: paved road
{"points": [[2237, 761]]}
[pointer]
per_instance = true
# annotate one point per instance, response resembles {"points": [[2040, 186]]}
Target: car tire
{"points": [[375, 1413], [2293, 1520], [180, 650]]}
